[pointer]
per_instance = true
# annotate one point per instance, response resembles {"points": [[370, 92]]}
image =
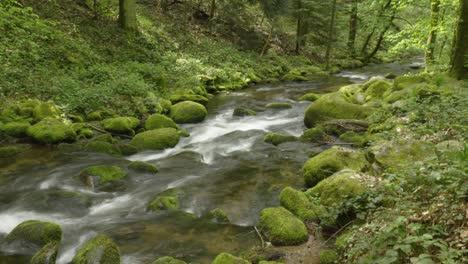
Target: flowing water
{"points": [[223, 164]]}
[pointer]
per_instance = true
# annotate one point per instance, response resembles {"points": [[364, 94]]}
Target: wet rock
{"points": [[168, 260], [159, 121], [218, 216], [330, 161], [279, 105], [47, 255], [121, 125], [100, 249], [33, 235], [226, 258], [311, 97], [51, 132], [16, 129], [127, 149], [189, 97], [142, 166], [328, 256], [281, 227], [102, 147], [82, 130], [105, 138], [276, 138], [390, 76], [157, 139], [102, 176], [188, 112], [166, 200], [298, 203], [242, 111]]}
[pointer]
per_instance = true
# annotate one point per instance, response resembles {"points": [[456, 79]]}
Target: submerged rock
{"points": [[47, 255], [121, 125], [311, 97], [159, 121], [188, 112], [102, 176], [157, 139], [242, 111], [34, 235], [226, 258], [331, 161], [100, 249], [166, 200], [51, 132], [218, 215], [142, 166], [279, 105], [276, 138], [281, 227], [168, 260], [298, 203]]}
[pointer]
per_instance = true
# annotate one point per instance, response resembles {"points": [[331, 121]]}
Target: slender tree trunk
{"points": [[127, 15], [353, 20], [432, 39], [267, 42], [298, 28], [212, 9], [367, 41], [330, 35], [459, 68]]}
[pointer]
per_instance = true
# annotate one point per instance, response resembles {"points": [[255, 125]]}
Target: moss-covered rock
{"points": [[406, 81], [276, 138], [183, 133], [102, 147], [303, 74], [188, 112], [51, 132], [159, 121], [334, 106], [127, 149], [101, 175], [298, 203], [165, 105], [121, 125], [269, 262], [189, 97], [168, 260], [242, 111], [218, 215], [226, 258], [46, 110], [311, 97], [341, 242], [16, 129], [390, 76], [354, 138], [47, 255], [376, 89], [279, 105], [313, 135], [328, 256], [157, 139], [142, 166], [166, 200], [331, 161], [34, 233], [100, 249], [100, 115], [281, 227], [106, 137]]}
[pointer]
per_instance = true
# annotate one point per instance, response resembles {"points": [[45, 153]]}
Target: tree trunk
{"points": [[431, 40], [127, 15], [212, 9], [459, 68], [353, 20], [267, 42], [298, 28], [330, 35]]}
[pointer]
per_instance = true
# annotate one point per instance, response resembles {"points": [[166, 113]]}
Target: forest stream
{"points": [[223, 164]]}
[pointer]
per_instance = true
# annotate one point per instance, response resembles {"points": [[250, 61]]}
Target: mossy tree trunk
{"points": [[432, 39], [127, 15], [353, 20], [298, 27], [459, 68]]}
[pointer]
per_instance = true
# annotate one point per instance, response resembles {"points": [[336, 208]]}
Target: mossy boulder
{"points": [[34, 234], [102, 147], [100, 249], [276, 138], [311, 97], [188, 112], [47, 254], [218, 215], [106, 137], [226, 258], [281, 227], [159, 121], [328, 256], [334, 106], [100, 115], [314, 135], [189, 97], [242, 111], [46, 110], [142, 166], [354, 138], [16, 129], [51, 132], [102, 176], [279, 105], [157, 139], [298, 203], [121, 125], [376, 89], [166, 200], [127, 149], [303, 73], [330, 161], [168, 260], [406, 81]]}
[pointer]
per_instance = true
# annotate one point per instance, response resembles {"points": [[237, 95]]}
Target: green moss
{"points": [[51, 132], [10, 151], [142, 166], [102, 147], [100, 115], [47, 255], [341, 242], [242, 111], [276, 138], [354, 138], [100, 249], [35, 232], [315, 134], [183, 133], [298, 203], [279, 105], [218, 215], [331, 161], [376, 89], [85, 133], [105, 138], [75, 118], [127, 149], [16, 129], [168, 260], [188, 112], [46, 110], [164, 203], [406, 81], [226, 258], [156, 139], [165, 105], [104, 173], [159, 121], [294, 77], [303, 73], [334, 106], [311, 97], [281, 227], [189, 97], [328, 256], [122, 125], [269, 262]]}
